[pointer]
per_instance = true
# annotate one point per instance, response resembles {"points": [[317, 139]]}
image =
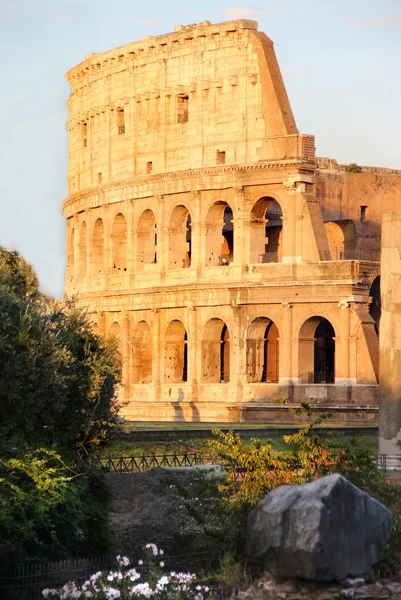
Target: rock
{"points": [[324, 530]]}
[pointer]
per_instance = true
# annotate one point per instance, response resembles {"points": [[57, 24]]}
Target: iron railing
{"points": [[133, 464]]}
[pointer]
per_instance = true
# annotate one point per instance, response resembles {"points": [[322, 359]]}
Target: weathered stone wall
{"points": [[353, 204]]}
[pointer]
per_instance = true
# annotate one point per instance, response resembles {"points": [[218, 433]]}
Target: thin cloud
{"points": [[6, 12], [63, 17], [385, 21], [301, 69], [252, 11], [147, 21]]}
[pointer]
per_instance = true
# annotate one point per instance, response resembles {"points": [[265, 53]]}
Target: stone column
{"points": [[390, 340], [342, 349], [285, 345], [289, 226], [197, 232], [241, 228], [157, 353]]}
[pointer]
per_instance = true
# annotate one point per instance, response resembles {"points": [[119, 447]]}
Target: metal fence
{"points": [[132, 464], [26, 581]]}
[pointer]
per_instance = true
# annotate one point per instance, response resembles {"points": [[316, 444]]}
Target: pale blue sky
{"points": [[341, 60]]}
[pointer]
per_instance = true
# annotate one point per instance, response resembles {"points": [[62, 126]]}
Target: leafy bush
{"points": [[353, 168], [58, 383], [48, 509]]}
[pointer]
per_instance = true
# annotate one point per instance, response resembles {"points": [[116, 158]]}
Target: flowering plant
{"points": [[123, 583]]}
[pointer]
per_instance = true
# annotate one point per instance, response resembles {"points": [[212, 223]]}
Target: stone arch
{"points": [[216, 352], [375, 307], [266, 231], [175, 353], [341, 239], [146, 239], [262, 351], [82, 250], [142, 353], [115, 331], [98, 247], [219, 235], [316, 351], [335, 239], [179, 238], [119, 243]]}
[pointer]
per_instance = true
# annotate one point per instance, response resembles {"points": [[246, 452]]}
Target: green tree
{"points": [[58, 379], [58, 383]]}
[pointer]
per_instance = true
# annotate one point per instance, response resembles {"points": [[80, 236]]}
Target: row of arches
{"points": [[316, 352], [265, 231]]}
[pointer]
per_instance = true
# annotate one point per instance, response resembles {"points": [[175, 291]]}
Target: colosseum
{"points": [[233, 266]]}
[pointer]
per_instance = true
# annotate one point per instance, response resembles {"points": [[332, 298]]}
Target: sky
{"points": [[341, 61]]}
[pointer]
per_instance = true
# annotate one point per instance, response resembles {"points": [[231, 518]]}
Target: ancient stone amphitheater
{"points": [[233, 266]]}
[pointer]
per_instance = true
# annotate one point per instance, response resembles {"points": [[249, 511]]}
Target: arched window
{"points": [[142, 354], [82, 250], [146, 240], [219, 235], [179, 249], [119, 243], [216, 352], [175, 353], [266, 231], [262, 351], [98, 248], [375, 308], [317, 351]]}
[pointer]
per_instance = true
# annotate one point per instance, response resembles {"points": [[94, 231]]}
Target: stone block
{"points": [[324, 530]]}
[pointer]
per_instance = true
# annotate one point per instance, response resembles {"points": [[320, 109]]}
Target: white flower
{"points": [[198, 587], [206, 589], [161, 552], [152, 547], [112, 593], [140, 562], [162, 564], [46, 592]]}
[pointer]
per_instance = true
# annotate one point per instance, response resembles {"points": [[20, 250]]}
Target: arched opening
{"points": [[71, 251], [375, 308], [180, 242], [216, 352], [175, 353], [142, 354], [317, 351], [82, 250], [119, 243], [98, 248], [219, 235], [262, 351], [336, 240], [266, 229], [115, 334], [146, 240]]}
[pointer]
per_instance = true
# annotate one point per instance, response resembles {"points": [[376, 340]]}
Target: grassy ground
{"points": [[123, 447]]}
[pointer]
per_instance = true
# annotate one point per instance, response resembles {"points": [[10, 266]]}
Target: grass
{"points": [[125, 447]]}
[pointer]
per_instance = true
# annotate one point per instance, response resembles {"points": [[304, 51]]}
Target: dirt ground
{"points": [[147, 507]]}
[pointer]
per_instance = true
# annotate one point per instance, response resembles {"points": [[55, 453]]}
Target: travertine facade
{"points": [[194, 234]]}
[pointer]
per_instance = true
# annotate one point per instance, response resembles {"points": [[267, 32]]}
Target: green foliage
{"points": [[17, 277], [58, 383], [57, 377], [353, 168], [50, 510]]}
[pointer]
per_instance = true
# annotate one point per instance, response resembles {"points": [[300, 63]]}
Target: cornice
{"points": [[98, 192]]}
